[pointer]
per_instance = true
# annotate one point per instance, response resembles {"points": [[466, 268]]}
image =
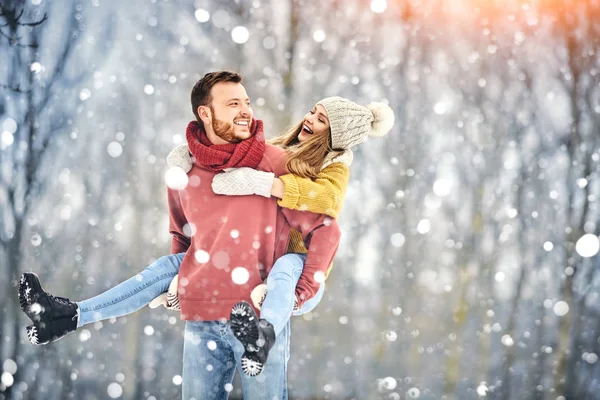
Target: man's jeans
{"points": [[281, 285], [211, 354]]}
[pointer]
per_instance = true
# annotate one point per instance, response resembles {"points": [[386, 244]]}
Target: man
{"points": [[232, 242]]}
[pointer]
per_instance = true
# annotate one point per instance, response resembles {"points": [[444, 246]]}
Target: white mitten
{"points": [[180, 157], [243, 181], [169, 299]]}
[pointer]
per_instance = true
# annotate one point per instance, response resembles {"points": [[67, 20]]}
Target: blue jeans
{"points": [[132, 294], [281, 287], [211, 354]]}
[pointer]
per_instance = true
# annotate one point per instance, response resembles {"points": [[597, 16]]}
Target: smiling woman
{"points": [[315, 123]]}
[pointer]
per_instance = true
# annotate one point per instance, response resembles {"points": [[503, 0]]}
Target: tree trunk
{"points": [[12, 309]]}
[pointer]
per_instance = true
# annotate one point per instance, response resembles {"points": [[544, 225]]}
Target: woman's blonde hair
{"points": [[305, 159]]}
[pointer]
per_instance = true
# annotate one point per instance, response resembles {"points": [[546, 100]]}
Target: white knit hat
{"points": [[351, 123]]}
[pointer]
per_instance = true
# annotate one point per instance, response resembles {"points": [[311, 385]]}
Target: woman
{"points": [[318, 162], [335, 121]]}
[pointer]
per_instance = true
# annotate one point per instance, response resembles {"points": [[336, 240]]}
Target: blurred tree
{"points": [[579, 74], [41, 78]]}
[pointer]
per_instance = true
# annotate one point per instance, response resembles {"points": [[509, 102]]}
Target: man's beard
{"points": [[224, 130]]}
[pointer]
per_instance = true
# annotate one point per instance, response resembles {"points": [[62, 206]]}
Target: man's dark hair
{"points": [[201, 91]]}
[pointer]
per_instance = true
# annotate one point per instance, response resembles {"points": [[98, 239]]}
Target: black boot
{"points": [[53, 317], [257, 336]]}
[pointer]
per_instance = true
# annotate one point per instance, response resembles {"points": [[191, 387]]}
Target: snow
{"points": [[397, 239], [240, 275], [588, 245], [176, 178], [114, 390], [378, 6], [202, 15], [202, 256], [9, 126], [36, 67], [240, 34], [7, 379], [319, 35], [480, 180], [561, 308], [114, 149], [148, 89], [85, 94]]}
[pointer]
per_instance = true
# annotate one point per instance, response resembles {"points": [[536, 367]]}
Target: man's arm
{"points": [[180, 242], [321, 234]]}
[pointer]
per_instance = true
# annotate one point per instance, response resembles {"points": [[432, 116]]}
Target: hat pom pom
{"points": [[383, 119]]}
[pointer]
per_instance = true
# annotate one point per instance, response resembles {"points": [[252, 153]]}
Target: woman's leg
{"points": [[281, 288], [310, 304], [55, 317], [275, 313], [132, 294]]}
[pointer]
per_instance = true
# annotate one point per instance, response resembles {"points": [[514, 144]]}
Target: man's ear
{"points": [[204, 114]]}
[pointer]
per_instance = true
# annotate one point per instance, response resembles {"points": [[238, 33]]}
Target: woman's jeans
{"points": [[138, 291], [132, 294], [281, 287]]}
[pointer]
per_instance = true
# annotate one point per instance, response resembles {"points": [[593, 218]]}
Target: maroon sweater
{"points": [[236, 239]]}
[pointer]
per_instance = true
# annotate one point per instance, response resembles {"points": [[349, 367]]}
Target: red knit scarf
{"points": [[217, 157]]}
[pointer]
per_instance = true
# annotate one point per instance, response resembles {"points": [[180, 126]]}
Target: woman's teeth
{"points": [[307, 129]]}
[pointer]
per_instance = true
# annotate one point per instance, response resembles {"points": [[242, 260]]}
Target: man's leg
{"points": [[271, 383], [208, 361], [132, 294]]}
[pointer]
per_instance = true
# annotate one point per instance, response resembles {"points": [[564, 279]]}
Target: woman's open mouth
{"points": [[307, 129]]}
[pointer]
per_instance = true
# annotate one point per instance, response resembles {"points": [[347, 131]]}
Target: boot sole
{"points": [[36, 332], [244, 325], [29, 282], [251, 365], [33, 335]]}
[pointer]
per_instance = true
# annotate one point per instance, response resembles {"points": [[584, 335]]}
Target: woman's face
{"points": [[315, 123]]}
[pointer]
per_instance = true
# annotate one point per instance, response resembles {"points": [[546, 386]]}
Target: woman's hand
{"points": [[243, 182]]}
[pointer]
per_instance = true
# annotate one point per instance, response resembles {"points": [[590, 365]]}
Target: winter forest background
{"points": [[468, 267]]}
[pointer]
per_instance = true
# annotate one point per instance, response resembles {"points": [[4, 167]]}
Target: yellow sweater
{"points": [[324, 195]]}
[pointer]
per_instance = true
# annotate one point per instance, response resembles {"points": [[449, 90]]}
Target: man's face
{"points": [[230, 113]]}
